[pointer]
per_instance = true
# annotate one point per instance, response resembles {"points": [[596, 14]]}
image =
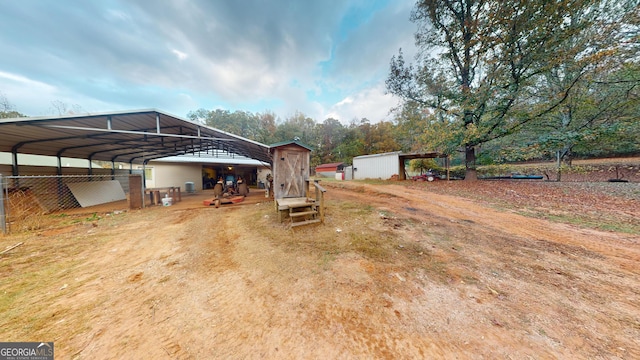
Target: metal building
{"points": [[377, 166], [384, 166]]}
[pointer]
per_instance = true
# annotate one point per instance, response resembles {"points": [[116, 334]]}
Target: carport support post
{"points": [[3, 216], [446, 162]]}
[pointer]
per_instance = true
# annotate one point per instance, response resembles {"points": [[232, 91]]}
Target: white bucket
{"points": [[167, 201]]}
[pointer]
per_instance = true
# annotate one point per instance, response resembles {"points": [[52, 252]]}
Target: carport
{"points": [[130, 137], [133, 137], [430, 155]]}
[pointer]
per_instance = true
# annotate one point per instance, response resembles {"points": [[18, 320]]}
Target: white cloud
{"points": [[20, 80], [371, 103], [279, 55], [179, 54]]}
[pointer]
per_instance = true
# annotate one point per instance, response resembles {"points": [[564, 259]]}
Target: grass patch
{"points": [[348, 227], [370, 245], [588, 222]]}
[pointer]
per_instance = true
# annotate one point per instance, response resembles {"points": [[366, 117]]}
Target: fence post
{"points": [[3, 215]]}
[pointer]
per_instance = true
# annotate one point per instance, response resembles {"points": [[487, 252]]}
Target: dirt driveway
{"points": [[396, 272]]}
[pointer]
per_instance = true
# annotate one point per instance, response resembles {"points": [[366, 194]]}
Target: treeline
{"points": [[412, 130], [330, 140]]}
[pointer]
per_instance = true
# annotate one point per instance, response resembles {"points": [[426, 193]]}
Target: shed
{"points": [[290, 169], [329, 170], [377, 166], [385, 165], [291, 184]]}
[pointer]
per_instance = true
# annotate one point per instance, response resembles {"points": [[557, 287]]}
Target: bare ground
{"points": [[396, 271]]}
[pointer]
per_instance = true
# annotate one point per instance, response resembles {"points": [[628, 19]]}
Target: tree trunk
{"points": [[470, 163], [558, 166]]}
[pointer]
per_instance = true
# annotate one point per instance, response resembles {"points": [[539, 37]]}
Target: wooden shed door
{"points": [[294, 181]]}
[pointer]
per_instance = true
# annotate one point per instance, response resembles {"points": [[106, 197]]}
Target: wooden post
{"points": [[322, 207], [136, 196], [320, 196]]}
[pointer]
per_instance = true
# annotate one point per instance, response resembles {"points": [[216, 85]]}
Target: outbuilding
{"points": [[329, 170], [384, 166], [290, 169]]}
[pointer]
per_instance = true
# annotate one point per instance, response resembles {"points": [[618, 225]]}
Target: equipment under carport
{"points": [[224, 200]]}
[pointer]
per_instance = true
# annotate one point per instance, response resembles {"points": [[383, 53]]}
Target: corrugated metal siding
{"points": [[378, 166], [329, 174], [348, 173]]}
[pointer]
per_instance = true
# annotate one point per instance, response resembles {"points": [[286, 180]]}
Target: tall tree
{"points": [[267, 127], [479, 62], [241, 123], [298, 126], [330, 134], [352, 144]]}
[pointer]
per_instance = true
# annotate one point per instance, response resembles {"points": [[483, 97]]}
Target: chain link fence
{"points": [[30, 202]]}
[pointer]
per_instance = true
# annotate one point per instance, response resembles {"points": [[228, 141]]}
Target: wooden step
{"points": [[306, 222], [302, 213], [300, 205]]}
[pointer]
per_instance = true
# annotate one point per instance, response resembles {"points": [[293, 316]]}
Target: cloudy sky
{"points": [[324, 58]]}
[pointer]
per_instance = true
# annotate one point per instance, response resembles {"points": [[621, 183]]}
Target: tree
{"points": [[298, 126], [59, 107], [382, 139], [410, 123], [241, 123], [330, 134], [7, 109], [480, 62], [352, 144], [267, 127]]}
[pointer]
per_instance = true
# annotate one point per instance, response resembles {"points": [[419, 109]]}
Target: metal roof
{"points": [[135, 136], [329, 166], [213, 158], [290, 142]]}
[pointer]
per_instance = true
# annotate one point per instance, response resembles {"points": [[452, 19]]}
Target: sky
{"points": [[322, 58]]}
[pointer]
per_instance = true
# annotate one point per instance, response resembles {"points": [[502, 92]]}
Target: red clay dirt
{"points": [[450, 277]]}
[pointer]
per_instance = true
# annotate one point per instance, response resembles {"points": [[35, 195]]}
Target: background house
{"points": [[329, 170]]}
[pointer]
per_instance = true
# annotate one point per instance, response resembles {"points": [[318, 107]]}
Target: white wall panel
{"points": [[378, 166]]}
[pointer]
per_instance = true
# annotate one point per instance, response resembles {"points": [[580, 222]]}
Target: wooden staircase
{"points": [[303, 210], [304, 214]]}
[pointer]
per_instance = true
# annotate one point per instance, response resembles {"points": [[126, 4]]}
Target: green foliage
{"points": [[7, 109], [239, 123], [423, 165], [11, 114], [488, 69]]}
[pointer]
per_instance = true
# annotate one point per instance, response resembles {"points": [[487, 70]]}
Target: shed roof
{"points": [[290, 142], [392, 153], [128, 136]]}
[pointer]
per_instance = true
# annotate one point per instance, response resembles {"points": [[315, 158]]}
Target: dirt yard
{"points": [[398, 271]]}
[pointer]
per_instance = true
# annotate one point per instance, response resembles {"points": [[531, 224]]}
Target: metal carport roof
{"points": [[133, 137]]}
